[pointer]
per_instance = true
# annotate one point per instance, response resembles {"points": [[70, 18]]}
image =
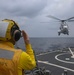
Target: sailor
{"points": [[14, 61]]}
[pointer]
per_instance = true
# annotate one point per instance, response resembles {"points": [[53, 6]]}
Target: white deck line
{"points": [[56, 57], [45, 53], [44, 62]]}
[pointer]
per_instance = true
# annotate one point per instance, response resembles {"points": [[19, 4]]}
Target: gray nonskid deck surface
{"points": [[57, 67]]}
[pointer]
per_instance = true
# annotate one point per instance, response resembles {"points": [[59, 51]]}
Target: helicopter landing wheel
{"points": [[67, 33], [58, 33]]}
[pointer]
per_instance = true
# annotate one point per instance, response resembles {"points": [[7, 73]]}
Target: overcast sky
{"points": [[30, 13]]}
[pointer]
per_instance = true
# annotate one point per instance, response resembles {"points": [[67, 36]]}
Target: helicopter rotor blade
{"points": [[49, 22], [69, 18], [44, 22], [53, 17]]}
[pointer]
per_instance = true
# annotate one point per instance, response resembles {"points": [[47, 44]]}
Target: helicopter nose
{"points": [[65, 27]]}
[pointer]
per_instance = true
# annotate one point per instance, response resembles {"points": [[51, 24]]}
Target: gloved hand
{"points": [[25, 36]]}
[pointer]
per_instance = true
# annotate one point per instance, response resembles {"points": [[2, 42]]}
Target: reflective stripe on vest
{"points": [[6, 54]]}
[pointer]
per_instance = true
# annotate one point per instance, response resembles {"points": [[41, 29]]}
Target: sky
{"points": [[31, 15]]}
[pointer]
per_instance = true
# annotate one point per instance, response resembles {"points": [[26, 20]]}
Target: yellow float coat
{"points": [[15, 60]]}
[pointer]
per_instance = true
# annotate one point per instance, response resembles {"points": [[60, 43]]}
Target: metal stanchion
{"points": [[65, 72]]}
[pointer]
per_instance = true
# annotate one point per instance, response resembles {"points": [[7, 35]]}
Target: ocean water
{"points": [[40, 45]]}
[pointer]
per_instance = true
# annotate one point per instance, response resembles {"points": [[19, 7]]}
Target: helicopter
{"points": [[64, 28]]}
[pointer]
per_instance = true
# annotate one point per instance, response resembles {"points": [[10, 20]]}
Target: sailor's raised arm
{"points": [[27, 42], [29, 49], [25, 37]]}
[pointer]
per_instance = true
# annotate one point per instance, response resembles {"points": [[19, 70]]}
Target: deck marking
{"points": [[56, 57], [44, 62], [71, 51], [45, 53]]}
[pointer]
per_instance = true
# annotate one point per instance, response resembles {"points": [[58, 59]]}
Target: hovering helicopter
{"points": [[64, 28]]}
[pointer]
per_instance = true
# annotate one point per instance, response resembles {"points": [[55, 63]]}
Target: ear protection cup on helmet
{"points": [[17, 35], [15, 32]]}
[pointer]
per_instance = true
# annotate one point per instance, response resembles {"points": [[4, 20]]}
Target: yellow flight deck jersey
{"points": [[13, 61]]}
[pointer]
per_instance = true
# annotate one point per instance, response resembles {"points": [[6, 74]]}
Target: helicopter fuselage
{"points": [[64, 30]]}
